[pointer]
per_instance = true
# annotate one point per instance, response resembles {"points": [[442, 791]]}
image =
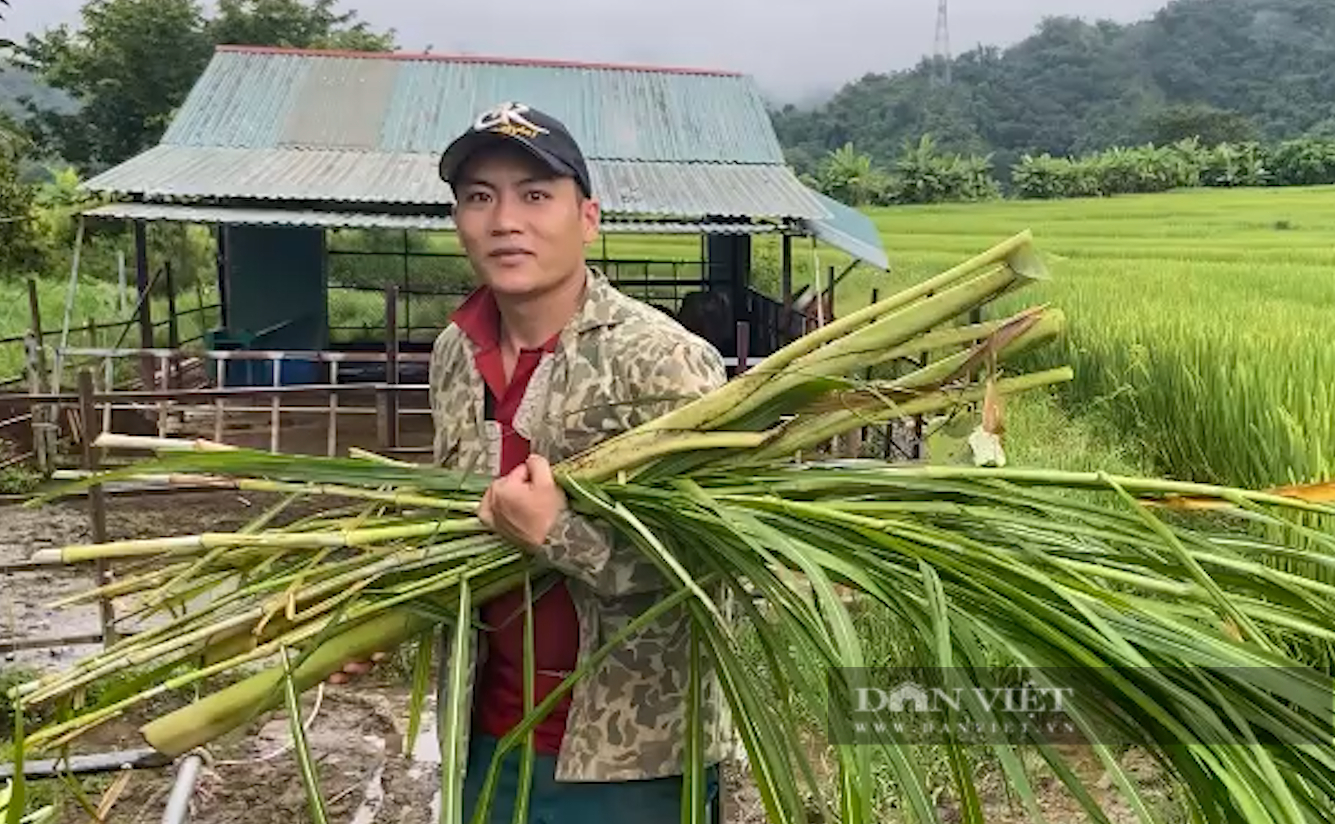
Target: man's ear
{"points": [[591, 216]]}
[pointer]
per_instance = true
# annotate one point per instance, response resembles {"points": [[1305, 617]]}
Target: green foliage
{"points": [[1046, 178], [849, 176], [293, 24], [924, 175], [131, 63], [1224, 71], [1228, 165], [1206, 124], [921, 174], [1304, 162], [1149, 169], [19, 238]]}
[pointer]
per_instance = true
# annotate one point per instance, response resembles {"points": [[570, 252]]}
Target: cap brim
{"points": [[466, 146]]}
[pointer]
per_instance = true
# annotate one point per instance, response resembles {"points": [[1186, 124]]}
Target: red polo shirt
{"points": [[500, 688]]}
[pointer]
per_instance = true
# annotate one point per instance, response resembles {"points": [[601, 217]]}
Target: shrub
{"points": [[1304, 162]]}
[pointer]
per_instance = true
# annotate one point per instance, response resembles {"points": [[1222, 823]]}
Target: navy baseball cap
{"points": [[545, 137]]}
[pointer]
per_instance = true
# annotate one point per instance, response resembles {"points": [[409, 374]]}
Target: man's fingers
{"points": [[539, 472], [338, 678], [484, 513], [357, 667], [379, 657], [521, 474]]}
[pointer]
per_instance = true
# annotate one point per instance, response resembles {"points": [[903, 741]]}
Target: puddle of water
{"points": [[372, 798], [426, 749]]}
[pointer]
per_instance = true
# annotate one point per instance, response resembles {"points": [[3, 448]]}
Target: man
{"points": [[544, 360]]}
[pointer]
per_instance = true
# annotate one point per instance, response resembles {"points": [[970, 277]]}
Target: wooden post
{"points": [[97, 507], [786, 273], [275, 405], [743, 345], [332, 445], [172, 322], [164, 383], [392, 364], [43, 439], [220, 366], [35, 319], [173, 327], [145, 305]]}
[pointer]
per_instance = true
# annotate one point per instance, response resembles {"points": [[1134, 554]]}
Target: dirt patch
{"points": [[25, 611], [251, 774]]}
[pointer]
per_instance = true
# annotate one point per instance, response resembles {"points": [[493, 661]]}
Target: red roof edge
{"points": [[472, 58]]}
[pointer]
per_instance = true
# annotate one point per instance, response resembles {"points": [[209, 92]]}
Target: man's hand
{"points": [[352, 669], [524, 505]]}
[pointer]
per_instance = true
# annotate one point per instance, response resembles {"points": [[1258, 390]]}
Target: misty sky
{"points": [[776, 45]]}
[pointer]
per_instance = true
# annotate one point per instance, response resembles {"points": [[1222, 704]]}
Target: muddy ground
{"points": [[368, 773]]}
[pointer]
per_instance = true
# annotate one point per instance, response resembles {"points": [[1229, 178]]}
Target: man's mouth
{"points": [[510, 253]]}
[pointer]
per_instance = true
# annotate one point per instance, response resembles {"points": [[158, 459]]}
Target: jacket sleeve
{"points": [[591, 550]]}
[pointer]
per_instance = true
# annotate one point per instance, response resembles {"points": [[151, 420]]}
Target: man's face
{"points": [[523, 229]]}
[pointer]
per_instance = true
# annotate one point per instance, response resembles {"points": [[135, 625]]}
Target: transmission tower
{"points": [[942, 55]]}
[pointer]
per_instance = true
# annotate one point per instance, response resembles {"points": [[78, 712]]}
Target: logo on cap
{"points": [[509, 119]]}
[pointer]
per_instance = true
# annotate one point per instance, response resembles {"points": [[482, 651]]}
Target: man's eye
{"points": [[538, 194], [475, 197]]}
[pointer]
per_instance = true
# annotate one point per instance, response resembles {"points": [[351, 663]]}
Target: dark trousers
{"points": [[561, 802]]}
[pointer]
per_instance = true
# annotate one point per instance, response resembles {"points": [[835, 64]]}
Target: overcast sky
{"points": [[774, 40]]}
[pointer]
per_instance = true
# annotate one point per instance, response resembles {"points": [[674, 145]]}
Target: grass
{"points": [[1196, 319], [95, 301]]}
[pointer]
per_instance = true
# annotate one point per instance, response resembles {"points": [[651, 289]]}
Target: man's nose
{"points": [[504, 215]]}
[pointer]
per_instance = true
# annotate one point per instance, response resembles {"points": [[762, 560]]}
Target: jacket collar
{"points": [[603, 304]]}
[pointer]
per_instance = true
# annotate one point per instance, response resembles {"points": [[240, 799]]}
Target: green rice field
{"points": [[1200, 322]]}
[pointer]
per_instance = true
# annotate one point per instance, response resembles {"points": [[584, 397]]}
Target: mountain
{"points": [[1077, 86], [17, 84]]}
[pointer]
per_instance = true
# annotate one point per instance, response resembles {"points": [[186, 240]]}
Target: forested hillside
{"points": [[1235, 69], [17, 84]]}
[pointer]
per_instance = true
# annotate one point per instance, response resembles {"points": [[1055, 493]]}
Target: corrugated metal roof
{"points": [[850, 230], [367, 220], [352, 130], [343, 176], [263, 98]]}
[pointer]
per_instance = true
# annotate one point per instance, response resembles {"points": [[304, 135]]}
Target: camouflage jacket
{"points": [[627, 719]]}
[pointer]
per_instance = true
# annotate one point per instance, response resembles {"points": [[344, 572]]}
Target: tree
{"points": [[133, 62], [20, 245], [850, 176], [130, 64], [1211, 126], [294, 24], [5, 43]]}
